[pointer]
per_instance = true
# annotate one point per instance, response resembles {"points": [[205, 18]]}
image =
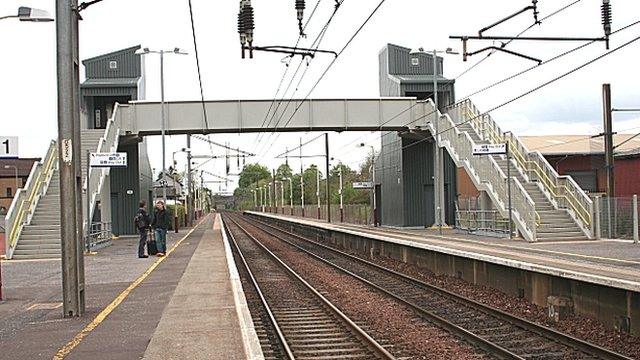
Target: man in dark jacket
{"points": [[160, 225], [142, 222]]}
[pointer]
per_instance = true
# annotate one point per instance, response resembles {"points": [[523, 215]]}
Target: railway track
{"points": [[498, 333], [294, 320]]}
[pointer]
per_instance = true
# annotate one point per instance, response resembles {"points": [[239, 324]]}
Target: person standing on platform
{"points": [[160, 225], [142, 222]]}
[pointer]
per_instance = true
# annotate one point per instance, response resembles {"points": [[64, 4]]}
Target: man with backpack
{"points": [[160, 224], [142, 222]]}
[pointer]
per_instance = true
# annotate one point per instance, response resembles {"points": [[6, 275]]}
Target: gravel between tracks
{"points": [[387, 320], [579, 326]]}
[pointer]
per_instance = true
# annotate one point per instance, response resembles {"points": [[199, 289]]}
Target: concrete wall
{"points": [[611, 306]]}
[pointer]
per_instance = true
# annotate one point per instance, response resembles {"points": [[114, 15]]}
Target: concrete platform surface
{"points": [[201, 321], [126, 299], [614, 263]]}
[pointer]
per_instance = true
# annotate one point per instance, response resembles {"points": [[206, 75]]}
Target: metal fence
{"points": [[471, 219], [617, 217]]}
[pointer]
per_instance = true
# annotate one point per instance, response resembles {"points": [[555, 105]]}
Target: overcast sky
{"points": [[569, 106]]}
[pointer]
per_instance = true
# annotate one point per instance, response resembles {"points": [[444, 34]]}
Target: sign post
{"points": [[99, 160], [499, 149], [8, 147]]}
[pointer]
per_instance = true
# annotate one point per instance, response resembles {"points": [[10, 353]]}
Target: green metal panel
{"points": [[125, 192]]}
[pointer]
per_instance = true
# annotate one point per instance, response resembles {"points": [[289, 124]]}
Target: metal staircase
{"points": [[33, 221], [546, 206]]}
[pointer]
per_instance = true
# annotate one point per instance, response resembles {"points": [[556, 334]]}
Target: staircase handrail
{"points": [[97, 176], [26, 199], [486, 171], [563, 189]]}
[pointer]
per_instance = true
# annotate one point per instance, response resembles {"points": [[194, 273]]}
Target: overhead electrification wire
{"points": [[529, 92], [195, 48], [284, 73], [315, 45], [470, 68], [329, 67]]}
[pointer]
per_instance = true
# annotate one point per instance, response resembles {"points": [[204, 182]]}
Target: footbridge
{"points": [[242, 116]]}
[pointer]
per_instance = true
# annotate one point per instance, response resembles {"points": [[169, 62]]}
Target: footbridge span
{"points": [[234, 116]]}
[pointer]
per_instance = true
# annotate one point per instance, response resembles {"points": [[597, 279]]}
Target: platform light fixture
{"points": [[30, 15]]}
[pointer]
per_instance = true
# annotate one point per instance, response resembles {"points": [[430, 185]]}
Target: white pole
{"points": [[635, 219], [282, 196], [162, 128], [291, 192], [436, 153], [318, 189]]}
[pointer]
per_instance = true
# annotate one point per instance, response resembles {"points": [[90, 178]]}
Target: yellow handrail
{"points": [[22, 211], [524, 163]]}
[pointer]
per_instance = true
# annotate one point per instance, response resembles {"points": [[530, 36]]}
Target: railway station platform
{"points": [[601, 277], [187, 305]]}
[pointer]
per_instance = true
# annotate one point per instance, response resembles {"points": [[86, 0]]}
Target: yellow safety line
{"points": [[65, 350]]}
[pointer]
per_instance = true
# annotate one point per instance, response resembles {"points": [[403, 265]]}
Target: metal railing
{"points": [[563, 190], [99, 234], [108, 143], [486, 173], [26, 199]]}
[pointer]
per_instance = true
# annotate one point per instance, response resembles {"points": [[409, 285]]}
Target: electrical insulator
{"points": [[535, 11], [246, 26], [606, 20], [300, 6]]}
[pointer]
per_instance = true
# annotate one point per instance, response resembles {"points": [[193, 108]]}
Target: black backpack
{"points": [[140, 220]]}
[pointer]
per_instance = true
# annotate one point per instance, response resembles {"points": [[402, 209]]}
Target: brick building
{"points": [[8, 183], [627, 167]]}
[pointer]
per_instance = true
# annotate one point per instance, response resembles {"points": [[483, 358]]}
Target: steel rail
{"points": [[487, 346], [546, 332], [265, 305], [371, 343]]}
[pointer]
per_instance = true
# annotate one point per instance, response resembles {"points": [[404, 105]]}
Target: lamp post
{"points": [[302, 192], [290, 194], [15, 168], [282, 195], [175, 187], [175, 51], [373, 182], [318, 189], [340, 190], [255, 200], [30, 15], [438, 177]]}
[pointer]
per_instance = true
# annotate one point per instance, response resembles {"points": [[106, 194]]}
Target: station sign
{"points": [[490, 149], [363, 185], [118, 159], [9, 147]]}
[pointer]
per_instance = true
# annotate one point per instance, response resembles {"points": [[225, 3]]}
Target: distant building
{"points": [[8, 185], [627, 169], [173, 186], [582, 157]]}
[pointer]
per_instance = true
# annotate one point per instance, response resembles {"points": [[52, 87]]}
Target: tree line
{"points": [[254, 176]]}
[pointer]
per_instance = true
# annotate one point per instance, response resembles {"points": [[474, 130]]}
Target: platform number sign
{"points": [[9, 147]]}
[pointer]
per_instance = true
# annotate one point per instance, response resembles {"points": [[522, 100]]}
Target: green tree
{"points": [[251, 174]]}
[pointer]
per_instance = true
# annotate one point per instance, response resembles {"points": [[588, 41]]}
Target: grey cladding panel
{"points": [[389, 175], [120, 64]]}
